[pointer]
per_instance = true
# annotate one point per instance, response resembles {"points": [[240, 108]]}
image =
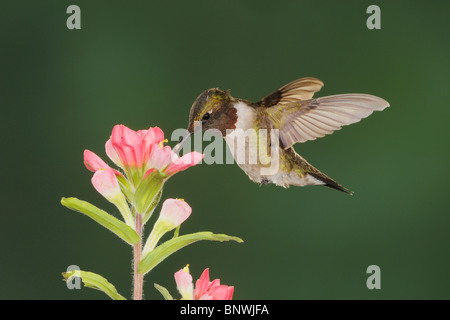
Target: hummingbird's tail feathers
{"points": [[318, 177], [330, 182]]}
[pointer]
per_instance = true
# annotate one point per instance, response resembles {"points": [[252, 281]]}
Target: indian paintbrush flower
{"points": [[132, 149], [94, 163], [137, 152], [184, 283], [204, 289], [105, 182], [145, 164], [141, 155], [173, 213]]}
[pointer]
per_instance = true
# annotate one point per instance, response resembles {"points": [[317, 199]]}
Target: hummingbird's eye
{"points": [[205, 116]]}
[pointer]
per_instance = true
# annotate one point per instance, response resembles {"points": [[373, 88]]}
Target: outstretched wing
{"points": [[297, 90], [311, 119]]}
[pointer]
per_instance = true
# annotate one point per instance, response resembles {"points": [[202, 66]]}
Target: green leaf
{"points": [[95, 281], [125, 187], [154, 257], [118, 227], [165, 293], [147, 192], [151, 208]]}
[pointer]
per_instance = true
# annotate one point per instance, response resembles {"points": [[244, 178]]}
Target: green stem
{"points": [[138, 278]]}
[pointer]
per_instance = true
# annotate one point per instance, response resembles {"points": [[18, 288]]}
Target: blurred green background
{"points": [[142, 63]]}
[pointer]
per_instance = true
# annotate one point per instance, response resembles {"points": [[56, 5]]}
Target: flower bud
{"points": [[106, 184], [93, 162], [184, 283], [174, 212]]}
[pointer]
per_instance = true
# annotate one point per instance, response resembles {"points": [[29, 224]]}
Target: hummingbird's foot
{"points": [[265, 181]]}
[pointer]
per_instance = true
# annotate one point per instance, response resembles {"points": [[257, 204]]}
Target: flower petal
{"points": [[159, 158], [128, 145], [184, 284], [222, 292], [93, 162], [206, 290], [186, 161], [151, 136], [174, 212], [106, 184], [112, 154], [201, 285]]}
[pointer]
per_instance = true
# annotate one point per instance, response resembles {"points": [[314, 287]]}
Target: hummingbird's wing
{"points": [[300, 89], [307, 120]]}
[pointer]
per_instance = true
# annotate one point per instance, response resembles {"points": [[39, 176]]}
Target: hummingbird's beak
{"points": [[181, 142]]}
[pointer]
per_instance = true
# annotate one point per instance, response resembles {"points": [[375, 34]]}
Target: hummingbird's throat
{"points": [[244, 116], [233, 118]]}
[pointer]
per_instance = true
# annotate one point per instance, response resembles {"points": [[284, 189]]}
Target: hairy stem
{"points": [[138, 278]]}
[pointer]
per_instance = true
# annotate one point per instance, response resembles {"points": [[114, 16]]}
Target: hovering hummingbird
{"points": [[296, 116]]}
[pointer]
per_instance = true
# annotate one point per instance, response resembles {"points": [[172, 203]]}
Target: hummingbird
{"points": [[288, 115]]}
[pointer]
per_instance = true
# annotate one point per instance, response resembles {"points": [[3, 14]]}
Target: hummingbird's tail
{"points": [[307, 168], [329, 182]]}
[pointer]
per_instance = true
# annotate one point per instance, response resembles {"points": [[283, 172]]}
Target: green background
{"points": [[143, 63]]}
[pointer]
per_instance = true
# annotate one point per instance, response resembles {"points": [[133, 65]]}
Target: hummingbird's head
{"points": [[213, 109]]}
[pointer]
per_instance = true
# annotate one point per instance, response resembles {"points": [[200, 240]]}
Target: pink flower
{"points": [[159, 157], [133, 147], [204, 289], [150, 137], [112, 154], [174, 212], [106, 184], [184, 283], [94, 163], [137, 152], [186, 161], [146, 162]]}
